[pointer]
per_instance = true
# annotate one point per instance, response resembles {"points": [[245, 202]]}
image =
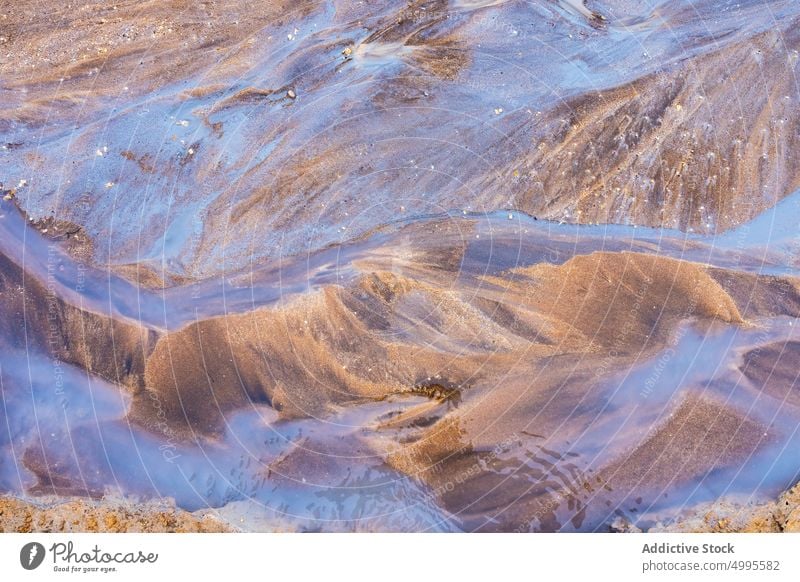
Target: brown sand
{"points": [[698, 142], [249, 137], [108, 516], [530, 346]]}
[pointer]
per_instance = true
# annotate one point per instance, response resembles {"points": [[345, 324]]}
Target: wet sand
{"points": [[110, 516], [444, 266], [179, 115], [495, 374]]}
